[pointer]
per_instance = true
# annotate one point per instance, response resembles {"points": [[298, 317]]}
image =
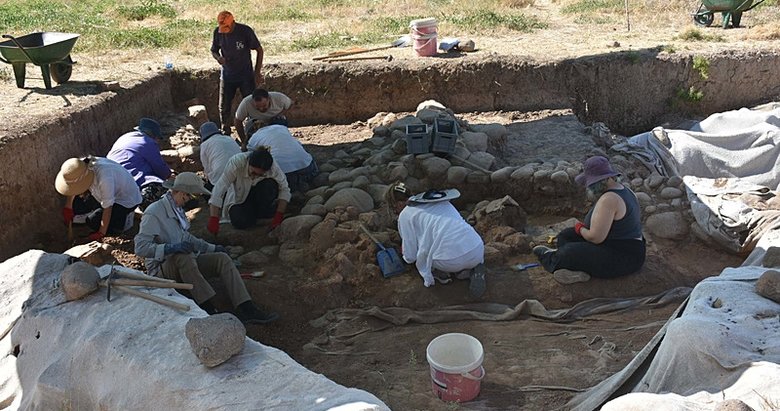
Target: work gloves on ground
{"points": [[278, 217], [184, 247], [67, 215], [96, 236], [213, 225], [578, 226]]}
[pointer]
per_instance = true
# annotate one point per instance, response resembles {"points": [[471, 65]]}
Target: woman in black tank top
{"points": [[609, 242]]}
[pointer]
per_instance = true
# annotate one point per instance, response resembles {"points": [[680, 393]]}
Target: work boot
{"points": [[249, 313], [477, 283], [208, 307], [565, 276], [541, 250]]}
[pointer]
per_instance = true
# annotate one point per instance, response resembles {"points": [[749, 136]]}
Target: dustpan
{"points": [[388, 260]]}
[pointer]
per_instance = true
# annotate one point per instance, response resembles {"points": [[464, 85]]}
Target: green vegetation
{"points": [[702, 66], [592, 6], [694, 34], [691, 95], [146, 9], [484, 19], [633, 57], [668, 48]]}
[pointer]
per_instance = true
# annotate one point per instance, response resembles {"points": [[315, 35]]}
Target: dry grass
{"points": [[769, 31]]}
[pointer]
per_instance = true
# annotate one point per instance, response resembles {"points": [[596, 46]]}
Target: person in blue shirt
{"points": [[139, 153], [231, 46]]}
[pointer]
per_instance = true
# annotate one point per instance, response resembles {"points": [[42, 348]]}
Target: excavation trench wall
{"points": [[629, 91]]}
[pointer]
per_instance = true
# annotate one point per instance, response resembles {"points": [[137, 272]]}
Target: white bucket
{"points": [[455, 360], [423, 32]]}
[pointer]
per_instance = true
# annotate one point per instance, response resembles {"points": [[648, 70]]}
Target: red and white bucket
{"points": [[423, 32], [456, 366]]}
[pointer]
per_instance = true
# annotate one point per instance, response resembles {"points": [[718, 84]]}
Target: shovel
{"points": [[388, 259], [402, 41]]}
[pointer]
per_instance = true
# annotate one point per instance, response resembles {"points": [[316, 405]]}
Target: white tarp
{"points": [[725, 345], [131, 353]]}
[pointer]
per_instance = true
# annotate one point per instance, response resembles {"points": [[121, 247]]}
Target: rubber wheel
{"points": [[61, 72], [736, 18], [704, 19]]}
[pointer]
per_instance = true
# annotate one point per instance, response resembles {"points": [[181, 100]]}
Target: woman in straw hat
{"points": [[100, 188], [609, 242], [436, 238], [172, 252]]}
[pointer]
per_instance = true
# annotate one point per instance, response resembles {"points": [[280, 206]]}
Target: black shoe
{"points": [[442, 277], [208, 307], [477, 283], [248, 313]]}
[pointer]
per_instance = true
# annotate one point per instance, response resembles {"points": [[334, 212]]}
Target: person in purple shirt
{"points": [[231, 46], [139, 153]]}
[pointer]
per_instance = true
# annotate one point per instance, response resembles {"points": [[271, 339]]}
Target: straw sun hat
{"points": [[187, 182], [74, 177]]}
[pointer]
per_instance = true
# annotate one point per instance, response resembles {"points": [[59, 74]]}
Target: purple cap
{"points": [[595, 169]]}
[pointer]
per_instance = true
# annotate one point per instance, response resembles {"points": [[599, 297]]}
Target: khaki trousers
{"points": [[192, 269]]}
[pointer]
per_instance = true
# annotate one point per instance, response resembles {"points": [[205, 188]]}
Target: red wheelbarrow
{"points": [[49, 50], [730, 9]]}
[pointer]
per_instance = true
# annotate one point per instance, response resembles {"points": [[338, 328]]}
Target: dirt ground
{"points": [[525, 359], [531, 364]]}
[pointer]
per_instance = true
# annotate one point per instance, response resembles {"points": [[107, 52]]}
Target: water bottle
{"points": [[168, 63]]}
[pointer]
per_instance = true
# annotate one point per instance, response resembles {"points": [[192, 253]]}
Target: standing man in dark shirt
{"points": [[231, 47]]}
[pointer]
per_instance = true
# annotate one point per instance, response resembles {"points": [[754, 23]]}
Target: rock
{"points": [[524, 173], [461, 151], [560, 177], [398, 173], [377, 192], [636, 182], [644, 199], [296, 255], [314, 209], [768, 285], [503, 175], [270, 250], [253, 258], [478, 177], [493, 255], [482, 159], [317, 199], [475, 141], [674, 181], [671, 192], [359, 171], [428, 115], [361, 182], [435, 167], [79, 280], [467, 46], [651, 209], [653, 181], [670, 225], [197, 115], [457, 175], [494, 131], [344, 234], [676, 203], [297, 228], [732, 405], [772, 257], [501, 212], [381, 131], [216, 338], [338, 176], [401, 123], [339, 186], [350, 197], [111, 86]]}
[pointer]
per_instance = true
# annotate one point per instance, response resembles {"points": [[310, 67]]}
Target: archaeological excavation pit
{"points": [[524, 130]]}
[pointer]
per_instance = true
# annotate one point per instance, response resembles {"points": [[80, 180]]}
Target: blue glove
{"points": [[185, 247], [220, 249]]}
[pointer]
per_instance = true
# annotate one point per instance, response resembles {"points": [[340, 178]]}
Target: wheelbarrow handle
{"points": [[8, 36]]}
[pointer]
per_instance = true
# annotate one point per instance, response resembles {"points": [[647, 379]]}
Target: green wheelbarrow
{"points": [[49, 50], [730, 9]]}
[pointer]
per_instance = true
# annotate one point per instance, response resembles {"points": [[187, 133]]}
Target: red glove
{"points": [[96, 236], [278, 217], [67, 215], [578, 226], [213, 225]]}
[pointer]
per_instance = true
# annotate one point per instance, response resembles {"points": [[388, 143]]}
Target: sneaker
{"points": [[250, 314], [565, 276], [441, 277], [477, 283], [541, 250]]}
